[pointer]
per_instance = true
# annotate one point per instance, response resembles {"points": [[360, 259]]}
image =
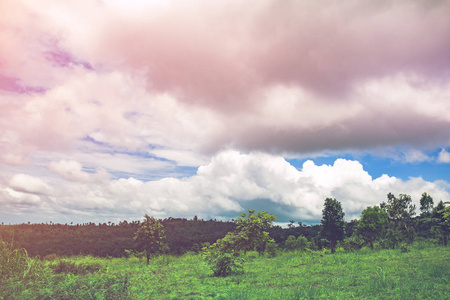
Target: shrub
{"points": [[226, 264], [301, 243], [353, 243], [404, 249], [77, 269], [272, 249], [14, 264]]}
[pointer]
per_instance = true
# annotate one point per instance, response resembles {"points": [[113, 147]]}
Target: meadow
{"points": [[421, 273]]}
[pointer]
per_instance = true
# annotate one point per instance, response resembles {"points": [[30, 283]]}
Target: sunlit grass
{"points": [[422, 273]]}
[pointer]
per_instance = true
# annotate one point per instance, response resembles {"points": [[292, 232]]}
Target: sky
{"points": [[113, 109]]}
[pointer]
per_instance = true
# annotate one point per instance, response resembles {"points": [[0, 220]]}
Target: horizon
{"points": [[110, 110]]}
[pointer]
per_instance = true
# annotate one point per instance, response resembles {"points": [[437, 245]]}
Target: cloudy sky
{"points": [[111, 109]]}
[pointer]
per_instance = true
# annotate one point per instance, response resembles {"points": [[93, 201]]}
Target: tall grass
{"points": [[422, 273]]}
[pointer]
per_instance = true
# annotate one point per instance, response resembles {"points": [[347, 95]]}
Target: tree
{"points": [[426, 204], [440, 217], [253, 229], [291, 243], [333, 225], [372, 224], [291, 224], [251, 233], [400, 211], [150, 236]]}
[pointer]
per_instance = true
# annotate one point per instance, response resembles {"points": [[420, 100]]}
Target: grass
{"points": [[422, 273]]}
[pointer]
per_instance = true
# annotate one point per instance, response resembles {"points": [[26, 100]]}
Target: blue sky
{"points": [[376, 166]]}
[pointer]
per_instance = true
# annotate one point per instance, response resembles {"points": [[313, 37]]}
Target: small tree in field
{"points": [[150, 236], [372, 224], [252, 230], [333, 225], [251, 234]]}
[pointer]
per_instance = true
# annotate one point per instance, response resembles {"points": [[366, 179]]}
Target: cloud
{"points": [[91, 88], [230, 183], [29, 184], [291, 77], [444, 156], [72, 170]]}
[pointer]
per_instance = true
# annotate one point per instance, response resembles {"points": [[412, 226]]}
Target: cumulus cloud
{"points": [[141, 90], [444, 156], [29, 184], [293, 77], [230, 183]]}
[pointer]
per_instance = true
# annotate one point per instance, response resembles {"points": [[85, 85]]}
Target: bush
{"points": [[353, 243], [226, 264], [14, 264], [404, 249], [76, 269], [272, 249], [301, 243]]}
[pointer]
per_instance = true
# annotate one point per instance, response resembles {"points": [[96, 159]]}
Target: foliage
{"points": [[441, 222], [14, 263], [372, 224], [225, 264], [421, 273], [272, 249], [67, 267], [400, 211], [352, 243], [333, 222], [299, 243], [250, 234], [426, 204], [112, 240], [252, 230], [150, 237]]}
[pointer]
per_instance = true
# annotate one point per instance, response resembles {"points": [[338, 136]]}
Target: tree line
{"points": [[387, 225]]}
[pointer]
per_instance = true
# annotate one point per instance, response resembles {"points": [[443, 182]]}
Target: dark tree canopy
{"points": [[426, 204], [400, 211], [400, 208], [333, 222], [372, 224]]}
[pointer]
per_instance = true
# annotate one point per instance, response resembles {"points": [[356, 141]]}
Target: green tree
{"points": [[290, 243], [333, 225], [426, 204], [372, 224], [440, 218], [251, 233], [400, 211], [252, 230], [150, 237]]}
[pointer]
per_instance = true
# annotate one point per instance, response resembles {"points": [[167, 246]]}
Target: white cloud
{"points": [[29, 184], [227, 185], [72, 170], [444, 156]]}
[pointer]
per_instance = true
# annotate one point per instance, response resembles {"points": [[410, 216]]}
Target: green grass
{"points": [[422, 273]]}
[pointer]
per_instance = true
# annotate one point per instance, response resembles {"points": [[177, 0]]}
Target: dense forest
{"points": [[184, 235]]}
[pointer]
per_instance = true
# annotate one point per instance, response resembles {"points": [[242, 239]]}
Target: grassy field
{"points": [[422, 273]]}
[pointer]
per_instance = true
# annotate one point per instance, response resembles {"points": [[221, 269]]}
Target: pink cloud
{"points": [[201, 75], [219, 56]]}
